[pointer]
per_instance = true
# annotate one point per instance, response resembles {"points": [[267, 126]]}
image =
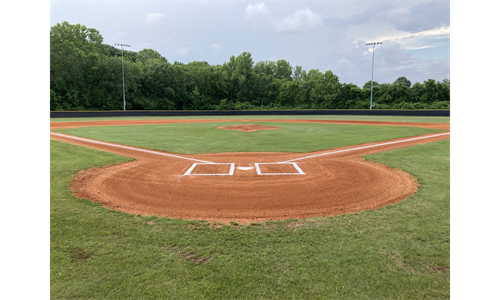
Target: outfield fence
{"points": [[142, 113]]}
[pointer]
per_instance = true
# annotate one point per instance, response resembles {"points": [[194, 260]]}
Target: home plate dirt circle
{"points": [[153, 184]]}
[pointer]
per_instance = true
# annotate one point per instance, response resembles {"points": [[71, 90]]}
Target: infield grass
{"points": [[292, 117], [194, 138], [401, 251]]}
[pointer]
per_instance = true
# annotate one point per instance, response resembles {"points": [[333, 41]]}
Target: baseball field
{"points": [[286, 207]]}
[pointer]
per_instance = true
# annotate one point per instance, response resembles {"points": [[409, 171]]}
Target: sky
{"points": [[324, 35]]}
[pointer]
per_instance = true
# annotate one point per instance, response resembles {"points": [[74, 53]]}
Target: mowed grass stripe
{"points": [[276, 117], [401, 251], [206, 138]]}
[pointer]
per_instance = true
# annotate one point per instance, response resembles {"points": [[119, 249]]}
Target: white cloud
{"points": [[183, 50], [424, 39], [300, 20], [255, 10], [154, 18], [402, 17], [411, 41], [216, 48], [436, 33]]}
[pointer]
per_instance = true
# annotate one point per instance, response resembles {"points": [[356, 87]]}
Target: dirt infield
{"points": [[333, 183], [61, 125]]}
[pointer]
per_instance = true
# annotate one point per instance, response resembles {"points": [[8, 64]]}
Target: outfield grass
{"points": [[206, 138], [401, 251], [293, 117]]}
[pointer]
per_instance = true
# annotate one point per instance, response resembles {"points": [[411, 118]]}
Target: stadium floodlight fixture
{"points": [[373, 60], [123, 73]]}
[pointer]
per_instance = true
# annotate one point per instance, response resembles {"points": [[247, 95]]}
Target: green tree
{"points": [[265, 88], [443, 91], [165, 83], [297, 73], [146, 55], [127, 55], [404, 80], [239, 73], [265, 68], [367, 85], [198, 64], [308, 82], [283, 70], [382, 96], [56, 102], [107, 82], [230, 77], [430, 92], [350, 93], [289, 94], [416, 92], [50, 70], [399, 92], [206, 83], [280, 69], [75, 50], [326, 91], [446, 81]]}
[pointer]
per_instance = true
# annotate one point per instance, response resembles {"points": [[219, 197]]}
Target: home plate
{"points": [[245, 168]]}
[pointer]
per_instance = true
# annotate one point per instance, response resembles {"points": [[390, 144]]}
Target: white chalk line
{"points": [[364, 147], [256, 164], [231, 169], [131, 148], [259, 172]]}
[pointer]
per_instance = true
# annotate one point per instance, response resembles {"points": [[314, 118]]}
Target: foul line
{"points": [[364, 147], [131, 148], [208, 162]]}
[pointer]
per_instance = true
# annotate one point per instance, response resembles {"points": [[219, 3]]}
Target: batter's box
{"points": [[211, 169], [278, 169]]}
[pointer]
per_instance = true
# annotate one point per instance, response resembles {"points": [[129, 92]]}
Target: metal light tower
{"points": [[123, 73], [373, 59]]}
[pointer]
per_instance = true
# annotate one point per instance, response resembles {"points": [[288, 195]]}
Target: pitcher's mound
{"points": [[248, 127]]}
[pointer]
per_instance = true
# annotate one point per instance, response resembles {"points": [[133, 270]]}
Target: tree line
{"points": [[86, 74]]}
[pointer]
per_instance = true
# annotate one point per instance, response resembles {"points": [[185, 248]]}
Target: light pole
{"points": [[373, 59], [123, 73]]}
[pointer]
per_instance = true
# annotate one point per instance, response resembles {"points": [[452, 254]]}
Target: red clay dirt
{"points": [[155, 185], [61, 125], [248, 127]]}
